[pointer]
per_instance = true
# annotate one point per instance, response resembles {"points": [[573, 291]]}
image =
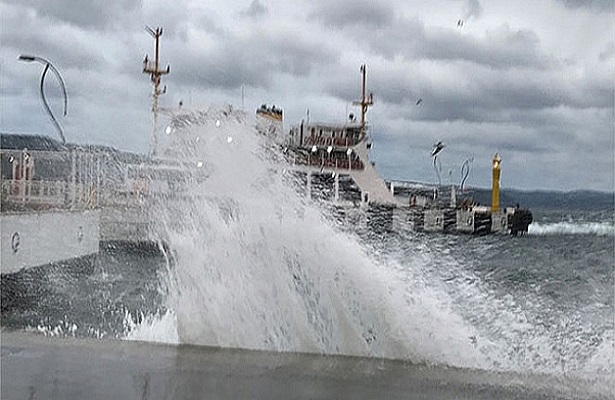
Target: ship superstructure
{"points": [[332, 161]]}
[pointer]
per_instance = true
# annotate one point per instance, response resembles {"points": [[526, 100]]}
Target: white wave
{"points": [[572, 228], [152, 328], [603, 360], [257, 267]]}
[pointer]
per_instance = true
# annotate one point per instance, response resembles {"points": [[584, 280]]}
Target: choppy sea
{"points": [[251, 264]]}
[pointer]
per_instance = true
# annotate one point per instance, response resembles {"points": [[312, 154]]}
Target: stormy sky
{"points": [[530, 80]]}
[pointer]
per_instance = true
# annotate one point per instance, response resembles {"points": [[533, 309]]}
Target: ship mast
{"points": [[364, 103], [155, 75]]}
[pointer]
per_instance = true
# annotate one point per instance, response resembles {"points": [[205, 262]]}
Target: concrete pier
{"points": [[37, 367]]}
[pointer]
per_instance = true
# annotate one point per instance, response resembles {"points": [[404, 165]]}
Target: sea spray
{"points": [[526, 329], [255, 265], [252, 264]]}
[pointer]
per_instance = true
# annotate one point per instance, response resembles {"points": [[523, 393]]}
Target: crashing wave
{"points": [[573, 228]]}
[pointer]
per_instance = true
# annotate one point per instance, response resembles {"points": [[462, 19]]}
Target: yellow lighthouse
{"points": [[495, 186]]}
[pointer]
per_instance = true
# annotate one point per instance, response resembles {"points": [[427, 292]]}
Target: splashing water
{"points": [[254, 265]]}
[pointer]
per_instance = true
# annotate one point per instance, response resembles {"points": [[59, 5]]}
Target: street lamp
{"points": [[48, 65]]}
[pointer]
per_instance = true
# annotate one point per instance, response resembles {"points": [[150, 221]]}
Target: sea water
{"points": [[252, 263]]}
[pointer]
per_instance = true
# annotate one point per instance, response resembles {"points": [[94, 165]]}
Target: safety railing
{"points": [[330, 163]]}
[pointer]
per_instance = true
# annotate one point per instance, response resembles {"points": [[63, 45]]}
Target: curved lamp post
{"points": [[48, 66]]}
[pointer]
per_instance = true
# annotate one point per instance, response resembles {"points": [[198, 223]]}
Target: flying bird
{"points": [[460, 23], [437, 148], [419, 101]]}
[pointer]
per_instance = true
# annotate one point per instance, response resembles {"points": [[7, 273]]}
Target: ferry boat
{"points": [[332, 160]]}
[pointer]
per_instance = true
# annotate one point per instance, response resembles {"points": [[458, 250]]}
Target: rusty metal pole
{"points": [[155, 76]]}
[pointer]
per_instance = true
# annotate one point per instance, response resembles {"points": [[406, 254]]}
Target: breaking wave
{"points": [[572, 228], [252, 264]]}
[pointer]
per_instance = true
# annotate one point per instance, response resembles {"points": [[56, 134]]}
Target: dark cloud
{"points": [[501, 48], [181, 22], [596, 5], [255, 9], [545, 106], [88, 14], [608, 54], [55, 42], [476, 94], [256, 60], [410, 39], [360, 13], [472, 8]]}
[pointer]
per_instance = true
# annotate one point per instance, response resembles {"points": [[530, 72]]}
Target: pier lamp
{"points": [[49, 66]]}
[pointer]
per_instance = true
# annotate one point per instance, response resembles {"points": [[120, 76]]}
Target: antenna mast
{"points": [[155, 75], [364, 103]]}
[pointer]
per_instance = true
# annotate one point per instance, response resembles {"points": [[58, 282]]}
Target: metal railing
{"points": [[329, 163]]}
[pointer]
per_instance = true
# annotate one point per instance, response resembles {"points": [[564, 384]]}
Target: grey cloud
{"points": [[64, 45], [501, 48], [409, 38], [179, 22], [361, 13], [482, 95], [472, 8], [608, 53], [255, 9], [89, 14], [482, 92], [235, 61], [597, 5]]}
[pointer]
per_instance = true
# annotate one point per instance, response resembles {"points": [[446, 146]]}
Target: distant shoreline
{"points": [[579, 200]]}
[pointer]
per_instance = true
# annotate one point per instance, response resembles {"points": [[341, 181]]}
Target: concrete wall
{"points": [[39, 238]]}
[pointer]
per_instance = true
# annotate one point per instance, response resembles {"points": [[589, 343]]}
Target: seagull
{"points": [[419, 101], [460, 23], [437, 148]]}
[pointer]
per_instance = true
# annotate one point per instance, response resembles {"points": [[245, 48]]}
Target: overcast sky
{"points": [[531, 80]]}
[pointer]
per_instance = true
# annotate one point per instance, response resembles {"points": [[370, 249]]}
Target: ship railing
{"points": [[338, 164], [38, 194], [313, 140]]}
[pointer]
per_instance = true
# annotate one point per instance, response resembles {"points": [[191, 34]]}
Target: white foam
{"points": [[603, 360], [256, 266], [152, 328], [572, 228]]}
